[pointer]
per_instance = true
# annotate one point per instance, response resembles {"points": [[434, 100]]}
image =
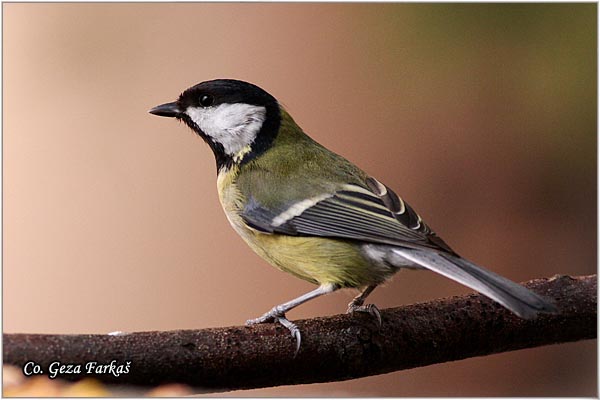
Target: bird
{"points": [[312, 213]]}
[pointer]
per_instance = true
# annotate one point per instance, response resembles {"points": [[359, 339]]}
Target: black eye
{"points": [[206, 100]]}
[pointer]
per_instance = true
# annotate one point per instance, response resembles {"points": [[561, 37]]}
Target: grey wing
{"points": [[372, 214], [377, 215]]}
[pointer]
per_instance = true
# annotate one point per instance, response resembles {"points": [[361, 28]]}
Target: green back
{"points": [[295, 168]]}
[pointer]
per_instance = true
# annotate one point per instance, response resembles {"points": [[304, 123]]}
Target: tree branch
{"points": [[333, 349]]}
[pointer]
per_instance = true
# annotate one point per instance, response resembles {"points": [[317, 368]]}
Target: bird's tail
{"points": [[511, 295]]}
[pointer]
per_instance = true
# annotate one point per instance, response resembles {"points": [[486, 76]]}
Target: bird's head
{"points": [[237, 119]]}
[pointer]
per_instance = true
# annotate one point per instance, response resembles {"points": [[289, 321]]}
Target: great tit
{"points": [[314, 214]]}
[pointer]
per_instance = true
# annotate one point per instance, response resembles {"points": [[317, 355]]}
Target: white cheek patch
{"points": [[234, 126]]}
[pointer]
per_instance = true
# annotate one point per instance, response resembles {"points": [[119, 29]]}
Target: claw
{"points": [[277, 313], [369, 308], [293, 328], [276, 316], [373, 310]]}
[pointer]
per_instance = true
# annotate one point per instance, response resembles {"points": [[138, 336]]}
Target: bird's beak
{"points": [[166, 110]]}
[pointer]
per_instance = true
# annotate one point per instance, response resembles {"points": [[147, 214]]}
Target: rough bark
{"points": [[333, 349]]}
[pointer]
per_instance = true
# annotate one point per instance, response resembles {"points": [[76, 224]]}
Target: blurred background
{"points": [[482, 116]]}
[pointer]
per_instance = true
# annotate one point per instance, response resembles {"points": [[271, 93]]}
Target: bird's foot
{"points": [[368, 308], [276, 315], [269, 316]]}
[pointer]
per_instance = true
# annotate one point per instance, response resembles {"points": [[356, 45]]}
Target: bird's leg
{"points": [[277, 313], [356, 305]]}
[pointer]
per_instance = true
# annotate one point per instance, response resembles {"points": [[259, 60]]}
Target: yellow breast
{"points": [[314, 259]]}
